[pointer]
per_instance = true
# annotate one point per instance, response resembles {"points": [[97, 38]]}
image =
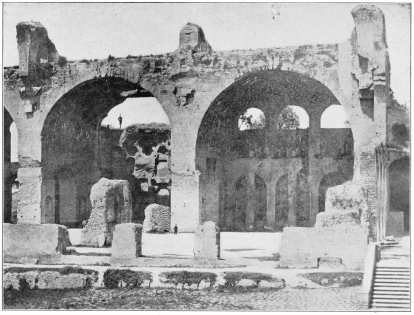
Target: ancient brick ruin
{"points": [[202, 167]]}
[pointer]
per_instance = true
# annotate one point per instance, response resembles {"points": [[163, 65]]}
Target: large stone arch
{"points": [[270, 91], [72, 138]]}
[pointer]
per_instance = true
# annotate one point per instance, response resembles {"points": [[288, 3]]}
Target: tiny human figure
{"points": [[175, 229], [120, 120]]}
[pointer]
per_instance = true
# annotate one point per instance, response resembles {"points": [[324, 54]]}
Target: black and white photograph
{"points": [[206, 156]]}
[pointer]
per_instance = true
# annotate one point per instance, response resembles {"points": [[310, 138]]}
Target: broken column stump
{"points": [[34, 243], [126, 244], [207, 241], [111, 204]]}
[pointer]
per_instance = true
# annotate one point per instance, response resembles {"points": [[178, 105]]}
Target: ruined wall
{"points": [[186, 82], [148, 148]]}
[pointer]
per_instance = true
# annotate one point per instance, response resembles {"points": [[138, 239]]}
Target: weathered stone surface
{"points": [[302, 247], [42, 243], [111, 204], [192, 36], [337, 218], [157, 219], [348, 196], [12, 280], [54, 280], [126, 245], [47, 280], [207, 241]]}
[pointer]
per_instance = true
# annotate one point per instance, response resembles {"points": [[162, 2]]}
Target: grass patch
{"points": [[233, 278], [188, 277], [115, 278], [344, 279]]}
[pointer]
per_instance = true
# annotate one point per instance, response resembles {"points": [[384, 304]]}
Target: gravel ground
{"points": [[327, 299]]}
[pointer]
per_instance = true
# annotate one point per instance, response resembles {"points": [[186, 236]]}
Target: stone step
{"points": [[380, 309], [393, 263], [385, 305], [390, 301], [395, 277], [390, 269], [393, 271], [391, 285], [391, 289], [398, 281], [391, 297]]}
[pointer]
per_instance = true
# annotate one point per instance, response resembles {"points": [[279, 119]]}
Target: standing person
{"points": [[175, 229]]}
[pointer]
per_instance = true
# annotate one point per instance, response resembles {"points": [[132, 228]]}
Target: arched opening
{"points": [[250, 204], [399, 196], [239, 223], [293, 117], [329, 180], [10, 167], [336, 134], [335, 117], [83, 140], [281, 202], [252, 118]]}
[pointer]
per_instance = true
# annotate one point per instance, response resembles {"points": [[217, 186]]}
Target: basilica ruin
{"points": [[315, 184]]}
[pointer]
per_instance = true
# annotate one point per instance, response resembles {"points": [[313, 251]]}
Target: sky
{"points": [[150, 110], [95, 30]]}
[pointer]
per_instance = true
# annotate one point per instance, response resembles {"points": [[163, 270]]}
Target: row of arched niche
{"points": [[237, 208]]}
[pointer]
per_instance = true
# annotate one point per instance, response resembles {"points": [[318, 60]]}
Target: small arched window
{"points": [[293, 117], [253, 118], [335, 117]]}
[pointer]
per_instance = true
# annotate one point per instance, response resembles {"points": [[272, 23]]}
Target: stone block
{"points": [[348, 196], [55, 280], [303, 247], [42, 243], [395, 223], [207, 241], [157, 219], [126, 245]]}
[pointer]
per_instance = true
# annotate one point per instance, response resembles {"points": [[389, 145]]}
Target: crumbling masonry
{"points": [[266, 179]]}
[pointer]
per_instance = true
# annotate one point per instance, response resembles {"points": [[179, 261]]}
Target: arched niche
{"points": [[293, 117], [252, 119], [399, 189], [335, 117]]}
